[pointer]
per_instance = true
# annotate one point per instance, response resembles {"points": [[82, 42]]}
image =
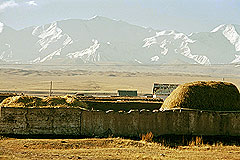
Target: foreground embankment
{"points": [[109, 148], [74, 121]]}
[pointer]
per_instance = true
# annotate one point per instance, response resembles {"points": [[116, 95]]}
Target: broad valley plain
{"points": [[107, 78]]}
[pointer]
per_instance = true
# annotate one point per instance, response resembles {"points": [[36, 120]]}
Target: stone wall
{"points": [[74, 121]]}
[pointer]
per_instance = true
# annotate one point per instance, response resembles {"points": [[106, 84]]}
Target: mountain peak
{"points": [[223, 27], [231, 32], [97, 17]]}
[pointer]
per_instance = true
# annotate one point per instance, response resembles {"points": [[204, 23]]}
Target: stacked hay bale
{"points": [[204, 95], [31, 101]]}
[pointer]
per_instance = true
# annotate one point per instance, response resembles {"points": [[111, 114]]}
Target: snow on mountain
{"points": [[229, 31], [232, 34], [6, 53], [137, 61], [6, 35], [155, 59], [50, 56], [50, 34], [171, 40], [153, 40], [103, 40], [87, 55], [237, 59], [52, 40], [1, 27]]}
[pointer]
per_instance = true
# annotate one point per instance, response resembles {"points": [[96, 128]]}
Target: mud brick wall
{"points": [[74, 121], [30, 121]]}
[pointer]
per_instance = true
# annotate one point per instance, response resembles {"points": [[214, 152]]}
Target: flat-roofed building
{"points": [[163, 88], [127, 93]]}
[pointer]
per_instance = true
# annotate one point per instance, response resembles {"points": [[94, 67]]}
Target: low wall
{"points": [[124, 106], [74, 121]]}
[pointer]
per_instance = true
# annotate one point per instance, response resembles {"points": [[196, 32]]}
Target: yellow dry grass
{"points": [[109, 148]]}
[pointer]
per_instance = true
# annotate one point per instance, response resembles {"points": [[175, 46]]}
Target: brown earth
{"points": [[110, 148]]}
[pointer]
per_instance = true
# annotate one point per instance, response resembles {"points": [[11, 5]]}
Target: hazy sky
{"points": [[181, 15]]}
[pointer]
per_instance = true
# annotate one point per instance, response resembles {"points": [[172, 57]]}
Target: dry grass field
{"points": [[109, 148], [96, 81]]}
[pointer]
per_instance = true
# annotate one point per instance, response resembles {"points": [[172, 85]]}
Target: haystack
{"points": [[204, 95], [23, 101], [31, 101]]}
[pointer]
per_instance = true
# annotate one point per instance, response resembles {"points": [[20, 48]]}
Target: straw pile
{"points": [[31, 101], [210, 95], [5, 95]]}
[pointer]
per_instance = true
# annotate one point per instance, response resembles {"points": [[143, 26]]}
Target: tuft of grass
{"points": [[197, 141], [147, 137]]}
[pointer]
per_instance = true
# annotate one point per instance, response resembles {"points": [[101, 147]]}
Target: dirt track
{"points": [[110, 148]]}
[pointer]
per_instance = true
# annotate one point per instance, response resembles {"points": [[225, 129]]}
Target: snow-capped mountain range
{"points": [[103, 40]]}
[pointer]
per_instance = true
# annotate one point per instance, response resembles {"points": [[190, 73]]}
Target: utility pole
{"points": [[50, 90]]}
